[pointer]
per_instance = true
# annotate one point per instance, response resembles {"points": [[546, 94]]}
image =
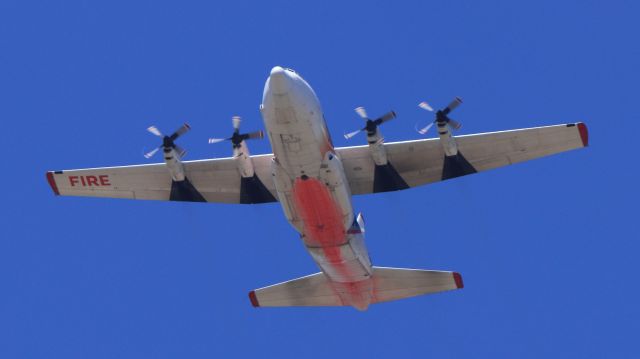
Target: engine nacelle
{"points": [[376, 147], [449, 143], [243, 160], [174, 165]]}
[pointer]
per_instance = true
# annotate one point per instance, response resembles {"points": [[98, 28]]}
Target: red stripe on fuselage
{"points": [[321, 215], [323, 227]]}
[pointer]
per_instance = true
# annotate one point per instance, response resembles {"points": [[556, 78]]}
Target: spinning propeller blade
{"points": [[386, 117], [237, 137], [168, 141], [351, 134], [154, 130], [181, 131], [455, 103], [254, 135], [362, 112], [216, 140], [425, 106], [372, 125], [426, 129], [454, 124], [235, 121], [181, 151], [441, 115], [152, 152]]}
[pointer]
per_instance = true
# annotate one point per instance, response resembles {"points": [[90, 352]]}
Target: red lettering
{"points": [[89, 181], [92, 181], [104, 180]]}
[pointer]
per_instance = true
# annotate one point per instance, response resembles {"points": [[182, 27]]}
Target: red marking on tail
{"points": [[253, 299], [358, 294], [458, 279], [52, 183], [584, 134]]}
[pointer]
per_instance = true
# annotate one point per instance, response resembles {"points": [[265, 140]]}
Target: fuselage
{"points": [[312, 187]]}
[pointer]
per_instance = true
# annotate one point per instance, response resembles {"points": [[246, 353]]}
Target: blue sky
{"points": [[548, 249]]}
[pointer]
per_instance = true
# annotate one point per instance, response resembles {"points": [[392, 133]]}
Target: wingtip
{"points": [[253, 299], [584, 133], [458, 279], [52, 183]]}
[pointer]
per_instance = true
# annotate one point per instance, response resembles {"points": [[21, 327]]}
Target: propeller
{"points": [[372, 125], [237, 137], [168, 141], [441, 115]]}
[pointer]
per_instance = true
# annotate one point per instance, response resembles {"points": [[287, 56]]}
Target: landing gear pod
{"points": [[332, 175]]}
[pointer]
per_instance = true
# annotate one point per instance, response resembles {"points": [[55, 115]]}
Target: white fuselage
{"points": [[312, 187]]}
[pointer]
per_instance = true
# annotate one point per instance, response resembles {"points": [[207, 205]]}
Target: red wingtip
{"points": [[52, 183], [584, 134], [458, 279], [253, 299]]}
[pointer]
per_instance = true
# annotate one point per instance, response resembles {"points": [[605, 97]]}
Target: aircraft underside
{"points": [[314, 182]]}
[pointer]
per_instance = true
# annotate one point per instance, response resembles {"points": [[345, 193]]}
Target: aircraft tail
{"points": [[386, 284]]}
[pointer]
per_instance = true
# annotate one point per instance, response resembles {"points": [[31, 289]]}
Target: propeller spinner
{"points": [[441, 115], [168, 142], [372, 125], [237, 137]]}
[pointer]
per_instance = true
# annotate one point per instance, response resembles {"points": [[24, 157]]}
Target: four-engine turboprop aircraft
{"points": [[314, 182]]}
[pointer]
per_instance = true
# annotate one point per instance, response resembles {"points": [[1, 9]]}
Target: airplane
{"points": [[314, 182]]}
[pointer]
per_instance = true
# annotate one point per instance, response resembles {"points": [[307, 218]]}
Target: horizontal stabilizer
{"points": [[398, 283], [312, 290], [387, 284]]}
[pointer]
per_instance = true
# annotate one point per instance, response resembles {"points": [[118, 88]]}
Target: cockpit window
{"points": [[291, 70]]}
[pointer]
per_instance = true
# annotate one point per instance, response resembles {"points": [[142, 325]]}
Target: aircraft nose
{"points": [[279, 80], [277, 70]]}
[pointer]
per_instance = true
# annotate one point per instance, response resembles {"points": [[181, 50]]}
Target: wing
{"points": [[411, 164], [213, 180], [415, 163]]}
